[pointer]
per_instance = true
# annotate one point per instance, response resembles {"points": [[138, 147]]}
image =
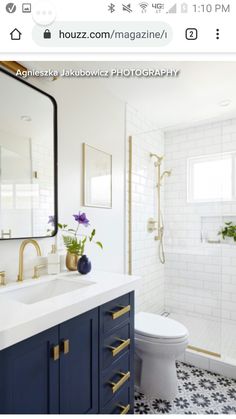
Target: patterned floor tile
{"points": [[199, 392]]}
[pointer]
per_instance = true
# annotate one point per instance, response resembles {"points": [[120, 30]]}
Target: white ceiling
{"points": [[169, 102]]}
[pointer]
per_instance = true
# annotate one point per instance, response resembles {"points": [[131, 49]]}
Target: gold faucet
{"points": [[21, 256]]}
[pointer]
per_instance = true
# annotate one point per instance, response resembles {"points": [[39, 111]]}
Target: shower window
{"points": [[211, 178]]}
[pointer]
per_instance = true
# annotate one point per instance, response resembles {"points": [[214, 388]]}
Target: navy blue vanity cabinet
{"points": [[55, 371], [116, 377], [29, 376], [79, 364]]}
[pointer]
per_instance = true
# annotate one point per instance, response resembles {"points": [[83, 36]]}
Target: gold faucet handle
{"points": [[37, 271], [2, 278]]}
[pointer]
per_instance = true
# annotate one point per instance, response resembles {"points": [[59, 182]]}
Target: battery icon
{"points": [[184, 8]]}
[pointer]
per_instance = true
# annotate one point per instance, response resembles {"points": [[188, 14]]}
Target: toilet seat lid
{"points": [[154, 325]]}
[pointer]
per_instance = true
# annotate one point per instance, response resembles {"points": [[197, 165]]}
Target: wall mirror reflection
{"points": [[97, 177], [28, 181]]}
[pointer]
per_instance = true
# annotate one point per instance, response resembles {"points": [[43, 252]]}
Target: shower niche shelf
{"points": [[211, 225]]}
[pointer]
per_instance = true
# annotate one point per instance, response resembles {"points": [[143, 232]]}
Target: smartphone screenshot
{"points": [[117, 207]]}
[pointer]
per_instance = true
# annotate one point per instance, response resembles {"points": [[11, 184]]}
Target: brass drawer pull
{"points": [[124, 377], [124, 409], [123, 310], [65, 346], [118, 349], [56, 352]]}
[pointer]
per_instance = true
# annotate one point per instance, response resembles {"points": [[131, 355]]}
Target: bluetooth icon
{"points": [[111, 7]]}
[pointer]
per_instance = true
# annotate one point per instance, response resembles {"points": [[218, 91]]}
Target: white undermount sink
{"points": [[40, 292]]}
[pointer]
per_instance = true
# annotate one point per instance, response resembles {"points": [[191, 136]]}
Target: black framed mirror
{"points": [[28, 160]]}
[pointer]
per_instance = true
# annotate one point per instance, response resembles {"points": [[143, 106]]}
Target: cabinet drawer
{"points": [[116, 345], [118, 376], [115, 312], [120, 404]]}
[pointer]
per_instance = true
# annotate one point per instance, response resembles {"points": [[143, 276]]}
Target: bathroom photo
{"points": [[118, 237]]}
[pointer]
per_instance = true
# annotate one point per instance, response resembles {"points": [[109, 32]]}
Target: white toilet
{"points": [[158, 342]]}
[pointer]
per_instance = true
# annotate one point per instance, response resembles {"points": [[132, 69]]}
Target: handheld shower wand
{"points": [[160, 223]]}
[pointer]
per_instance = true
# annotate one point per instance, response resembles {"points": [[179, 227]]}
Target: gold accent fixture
{"points": [[13, 66], [124, 377], [160, 225], [65, 346], [204, 351], [152, 225], [117, 349], [124, 409], [160, 176], [21, 256], [2, 278], [37, 270], [130, 238], [56, 352], [72, 261], [123, 310], [6, 234]]}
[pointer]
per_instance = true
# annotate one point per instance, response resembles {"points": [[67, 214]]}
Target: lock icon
{"points": [[47, 34]]}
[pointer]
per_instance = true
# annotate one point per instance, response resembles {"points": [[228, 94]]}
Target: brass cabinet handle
{"points": [[118, 349], [123, 310], [56, 352], [124, 409], [124, 378], [65, 346]]}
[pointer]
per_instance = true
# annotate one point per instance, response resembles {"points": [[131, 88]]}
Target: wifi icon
{"points": [[143, 6]]}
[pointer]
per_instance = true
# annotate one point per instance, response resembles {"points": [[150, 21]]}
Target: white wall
{"points": [[145, 262], [86, 113], [199, 278]]}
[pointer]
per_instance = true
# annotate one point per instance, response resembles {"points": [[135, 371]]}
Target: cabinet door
{"points": [[29, 376], [79, 364]]}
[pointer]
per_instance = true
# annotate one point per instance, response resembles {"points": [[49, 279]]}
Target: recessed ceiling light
{"points": [[26, 118], [225, 103]]}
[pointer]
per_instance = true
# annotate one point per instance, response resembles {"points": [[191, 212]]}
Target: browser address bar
{"points": [[104, 34]]}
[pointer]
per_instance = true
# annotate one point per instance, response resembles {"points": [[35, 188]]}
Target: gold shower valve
{"points": [[152, 225]]}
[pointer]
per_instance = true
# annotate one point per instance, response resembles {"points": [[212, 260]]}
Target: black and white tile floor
{"points": [[200, 392]]}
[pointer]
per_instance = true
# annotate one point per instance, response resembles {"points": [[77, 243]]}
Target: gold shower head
{"points": [[158, 159], [166, 173]]}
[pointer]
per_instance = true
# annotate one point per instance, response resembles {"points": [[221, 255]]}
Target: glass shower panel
{"points": [[193, 270], [228, 312]]}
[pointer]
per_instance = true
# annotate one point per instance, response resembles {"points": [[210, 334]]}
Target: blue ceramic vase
{"points": [[84, 265]]}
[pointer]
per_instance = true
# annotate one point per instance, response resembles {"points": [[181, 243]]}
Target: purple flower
{"points": [[51, 220], [81, 218]]}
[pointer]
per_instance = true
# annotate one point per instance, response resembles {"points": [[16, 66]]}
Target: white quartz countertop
{"points": [[19, 320]]}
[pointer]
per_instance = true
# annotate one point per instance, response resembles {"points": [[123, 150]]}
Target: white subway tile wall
{"points": [[145, 262]]}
